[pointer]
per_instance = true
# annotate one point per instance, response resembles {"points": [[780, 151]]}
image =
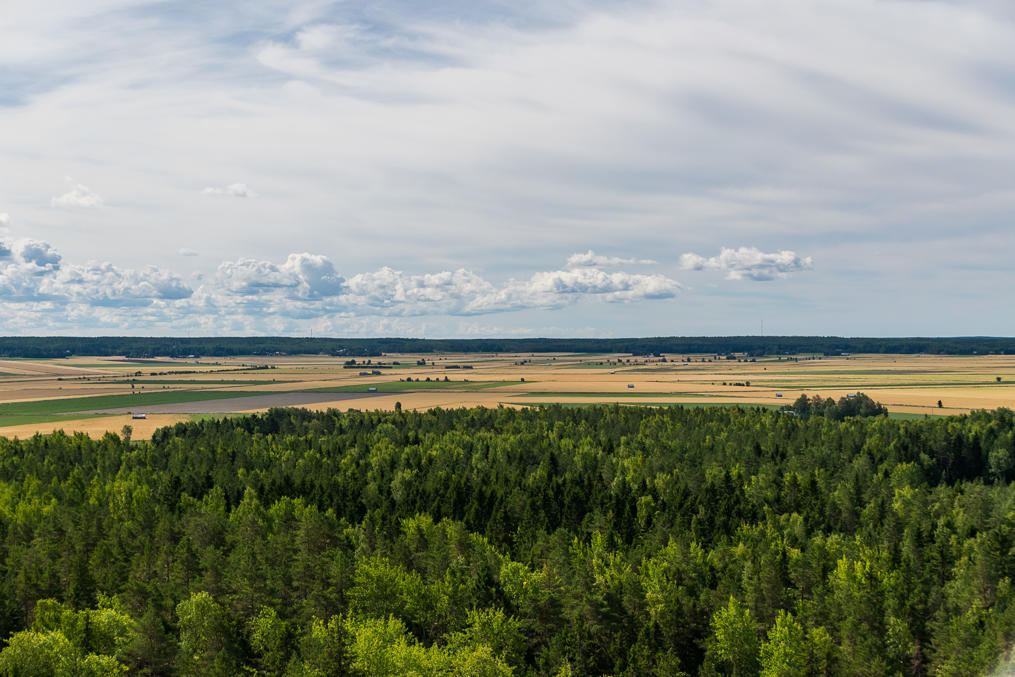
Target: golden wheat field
{"points": [[95, 395]]}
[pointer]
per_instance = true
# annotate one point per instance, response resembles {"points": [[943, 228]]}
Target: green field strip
{"points": [[586, 365], [616, 394], [35, 359], [795, 385], [410, 386], [876, 372], [195, 382], [105, 365], [636, 369], [163, 363], [75, 404]]}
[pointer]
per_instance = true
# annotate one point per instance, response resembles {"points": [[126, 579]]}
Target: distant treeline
{"points": [[135, 346]]}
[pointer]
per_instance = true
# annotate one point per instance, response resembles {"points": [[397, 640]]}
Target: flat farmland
{"points": [[94, 395]]}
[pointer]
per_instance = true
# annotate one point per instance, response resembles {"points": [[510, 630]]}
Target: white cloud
{"points": [[248, 293], [443, 292], [40, 254], [590, 258], [5, 220], [34, 274], [78, 196], [255, 295], [316, 275], [750, 263], [103, 284], [252, 277], [558, 288], [183, 251], [232, 190], [40, 291]]}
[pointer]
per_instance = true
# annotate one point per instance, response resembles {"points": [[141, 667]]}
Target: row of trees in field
{"points": [[553, 541], [147, 347]]}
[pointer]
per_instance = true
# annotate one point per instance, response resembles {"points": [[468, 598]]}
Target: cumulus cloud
{"points": [[252, 295], [5, 220], [590, 258], [33, 273], [186, 252], [446, 291], [749, 263], [103, 284], [316, 275], [252, 277], [304, 275], [307, 285], [232, 190], [554, 289], [78, 196], [40, 254]]}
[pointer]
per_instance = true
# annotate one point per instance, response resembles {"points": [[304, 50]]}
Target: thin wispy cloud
{"points": [[232, 190], [590, 258], [78, 196]]}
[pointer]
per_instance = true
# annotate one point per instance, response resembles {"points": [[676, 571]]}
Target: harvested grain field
{"points": [[237, 404], [95, 427], [31, 392]]}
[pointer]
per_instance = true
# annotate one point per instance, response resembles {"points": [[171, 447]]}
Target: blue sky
{"points": [[469, 168]]}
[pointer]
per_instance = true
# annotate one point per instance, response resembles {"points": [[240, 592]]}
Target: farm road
{"points": [[235, 404]]}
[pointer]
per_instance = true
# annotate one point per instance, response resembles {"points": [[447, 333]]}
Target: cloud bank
{"points": [[40, 290]]}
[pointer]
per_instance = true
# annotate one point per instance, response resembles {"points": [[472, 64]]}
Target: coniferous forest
{"points": [[231, 346], [554, 541]]}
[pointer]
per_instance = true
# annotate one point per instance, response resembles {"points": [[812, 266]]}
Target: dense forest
{"points": [[146, 347], [552, 541]]}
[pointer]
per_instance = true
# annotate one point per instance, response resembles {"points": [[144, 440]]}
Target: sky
{"points": [[467, 168]]}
